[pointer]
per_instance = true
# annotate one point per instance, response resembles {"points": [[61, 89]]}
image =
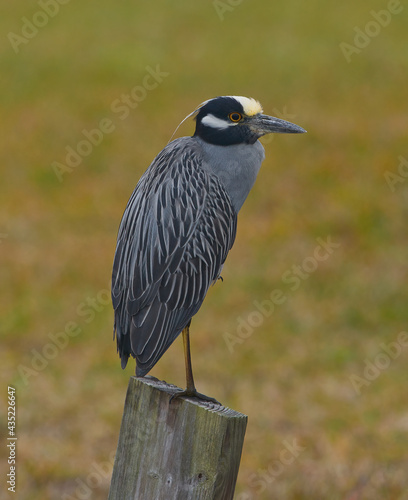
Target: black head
{"points": [[231, 120]]}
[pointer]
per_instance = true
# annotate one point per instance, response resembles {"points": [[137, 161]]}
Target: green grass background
{"points": [[292, 375]]}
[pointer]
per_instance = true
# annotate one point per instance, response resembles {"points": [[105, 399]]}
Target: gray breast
{"points": [[236, 167]]}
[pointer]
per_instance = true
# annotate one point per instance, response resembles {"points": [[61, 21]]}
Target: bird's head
{"points": [[231, 120]]}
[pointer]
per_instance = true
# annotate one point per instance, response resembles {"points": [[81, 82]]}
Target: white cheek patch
{"points": [[214, 122]]}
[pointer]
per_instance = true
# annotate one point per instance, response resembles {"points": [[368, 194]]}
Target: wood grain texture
{"points": [[185, 450]]}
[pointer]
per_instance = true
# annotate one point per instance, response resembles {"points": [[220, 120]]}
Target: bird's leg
{"points": [[190, 390], [187, 358]]}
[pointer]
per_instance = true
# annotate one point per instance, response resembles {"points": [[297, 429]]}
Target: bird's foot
{"points": [[192, 393]]}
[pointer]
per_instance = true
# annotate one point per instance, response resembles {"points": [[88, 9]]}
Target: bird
{"points": [[179, 225]]}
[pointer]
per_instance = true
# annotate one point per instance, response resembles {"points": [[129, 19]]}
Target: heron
{"points": [[179, 225]]}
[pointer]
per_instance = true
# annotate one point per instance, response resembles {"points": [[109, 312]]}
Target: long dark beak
{"points": [[264, 124]]}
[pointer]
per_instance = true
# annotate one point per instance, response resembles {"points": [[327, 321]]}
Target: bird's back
{"points": [[174, 237]]}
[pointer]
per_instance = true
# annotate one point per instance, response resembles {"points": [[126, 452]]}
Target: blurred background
{"points": [[90, 93]]}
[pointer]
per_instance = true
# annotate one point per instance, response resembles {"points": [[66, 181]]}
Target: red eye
{"points": [[235, 117]]}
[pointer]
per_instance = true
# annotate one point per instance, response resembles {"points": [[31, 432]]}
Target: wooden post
{"points": [[186, 450]]}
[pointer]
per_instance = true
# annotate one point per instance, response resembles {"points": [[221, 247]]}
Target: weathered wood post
{"points": [[186, 450]]}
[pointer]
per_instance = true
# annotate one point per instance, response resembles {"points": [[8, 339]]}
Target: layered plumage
{"points": [[175, 234], [180, 224]]}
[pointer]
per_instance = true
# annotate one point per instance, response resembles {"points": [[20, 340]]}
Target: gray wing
{"points": [[174, 237]]}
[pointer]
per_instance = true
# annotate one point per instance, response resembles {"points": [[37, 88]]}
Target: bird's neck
{"points": [[235, 166]]}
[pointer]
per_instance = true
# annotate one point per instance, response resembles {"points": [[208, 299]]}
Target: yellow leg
{"points": [[187, 358], [190, 390]]}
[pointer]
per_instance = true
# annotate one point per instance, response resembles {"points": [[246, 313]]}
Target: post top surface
{"points": [[170, 389]]}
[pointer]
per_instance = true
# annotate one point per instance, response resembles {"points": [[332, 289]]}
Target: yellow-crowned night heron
{"points": [[180, 224]]}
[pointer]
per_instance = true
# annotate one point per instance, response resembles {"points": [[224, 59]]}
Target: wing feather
{"points": [[174, 237]]}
